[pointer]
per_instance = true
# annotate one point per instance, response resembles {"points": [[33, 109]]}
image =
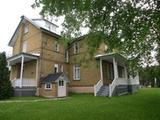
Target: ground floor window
{"points": [[48, 86], [121, 72], [76, 72]]}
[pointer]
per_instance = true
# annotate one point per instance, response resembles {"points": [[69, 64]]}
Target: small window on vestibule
{"points": [[48, 86]]}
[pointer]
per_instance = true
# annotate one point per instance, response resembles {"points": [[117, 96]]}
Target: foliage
{"points": [[130, 26], [5, 84], [148, 75], [143, 105]]}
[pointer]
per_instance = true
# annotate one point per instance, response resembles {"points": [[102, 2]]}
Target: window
{"points": [[61, 82], [26, 28], [48, 86], [121, 73], [61, 68], [76, 72], [76, 47], [56, 68], [66, 56], [56, 47], [24, 47]]}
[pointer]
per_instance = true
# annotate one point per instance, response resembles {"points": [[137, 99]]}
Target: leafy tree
{"points": [[148, 75], [129, 26], [5, 84]]}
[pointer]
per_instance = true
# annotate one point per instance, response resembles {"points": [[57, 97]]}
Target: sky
{"points": [[11, 11]]}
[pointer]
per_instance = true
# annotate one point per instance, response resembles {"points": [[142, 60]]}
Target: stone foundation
{"points": [[25, 91]]}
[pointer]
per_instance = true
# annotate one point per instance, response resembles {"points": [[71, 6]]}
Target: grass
{"points": [[144, 105]]}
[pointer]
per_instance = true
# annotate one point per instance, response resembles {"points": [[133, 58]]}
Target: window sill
{"points": [[48, 89]]}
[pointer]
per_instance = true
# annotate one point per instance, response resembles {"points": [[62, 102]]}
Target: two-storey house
{"points": [[41, 65]]}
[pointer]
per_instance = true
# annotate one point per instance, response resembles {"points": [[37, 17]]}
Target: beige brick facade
{"points": [[43, 43]]}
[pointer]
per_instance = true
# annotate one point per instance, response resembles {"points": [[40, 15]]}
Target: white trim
{"points": [[21, 73], [101, 69], [26, 28], [75, 72], [66, 56], [56, 66], [46, 86], [37, 72], [76, 45], [56, 46], [115, 68]]}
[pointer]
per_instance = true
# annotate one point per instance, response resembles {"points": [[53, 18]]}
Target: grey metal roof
{"points": [[51, 77]]}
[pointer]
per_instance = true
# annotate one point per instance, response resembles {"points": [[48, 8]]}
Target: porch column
{"points": [[37, 72], [115, 68], [125, 72], [21, 73], [101, 69]]}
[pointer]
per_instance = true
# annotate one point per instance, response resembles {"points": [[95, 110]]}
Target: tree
{"points": [[130, 26], [5, 84]]}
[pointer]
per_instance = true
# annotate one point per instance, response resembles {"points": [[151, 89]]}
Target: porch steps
{"points": [[104, 91]]}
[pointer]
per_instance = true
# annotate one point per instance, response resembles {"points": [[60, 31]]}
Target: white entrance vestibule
{"points": [[61, 87]]}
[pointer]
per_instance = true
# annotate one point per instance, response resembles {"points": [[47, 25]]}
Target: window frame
{"points": [[46, 87], [26, 28], [76, 72], [56, 46], [76, 48], [66, 56], [56, 68], [24, 46]]}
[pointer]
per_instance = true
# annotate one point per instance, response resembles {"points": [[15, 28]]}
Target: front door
{"points": [[108, 73], [61, 88]]}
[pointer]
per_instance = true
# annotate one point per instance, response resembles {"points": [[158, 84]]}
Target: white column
{"points": [[37, 72], [21, 73], [101, 69], [115, 68], [125, 72]]}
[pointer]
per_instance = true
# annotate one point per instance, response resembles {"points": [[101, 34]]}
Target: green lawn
{"points": [[144, 105]]}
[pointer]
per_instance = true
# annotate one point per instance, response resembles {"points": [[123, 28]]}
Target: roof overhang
{"points": [[109, 57], [18, 58]]}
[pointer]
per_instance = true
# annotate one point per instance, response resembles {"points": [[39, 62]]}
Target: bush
{"points": [[6, 90]]}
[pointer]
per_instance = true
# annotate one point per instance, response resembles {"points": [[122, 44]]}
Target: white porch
{"points": [[118, 73], [21, 80]]}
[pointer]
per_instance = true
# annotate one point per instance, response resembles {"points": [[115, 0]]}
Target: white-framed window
{"points": [[76, 72], [66, 56], [76, 47], [48, 86], [56, 46], [60, 68], [26, 28], [24, 46], [55, 68]]}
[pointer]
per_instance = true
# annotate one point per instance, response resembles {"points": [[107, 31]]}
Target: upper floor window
{"points": [[76, 72], [24, 46], [26, 28], [56, 47], [66, 56], [76, 47], [58, 68]]}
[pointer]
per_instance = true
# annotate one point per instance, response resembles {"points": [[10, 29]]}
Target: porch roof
{"points": [[17, 58], [109, 57]]}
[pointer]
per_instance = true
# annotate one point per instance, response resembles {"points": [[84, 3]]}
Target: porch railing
{"points": [[26, 82], [97, 87], [112, 86], [134, 80]]}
